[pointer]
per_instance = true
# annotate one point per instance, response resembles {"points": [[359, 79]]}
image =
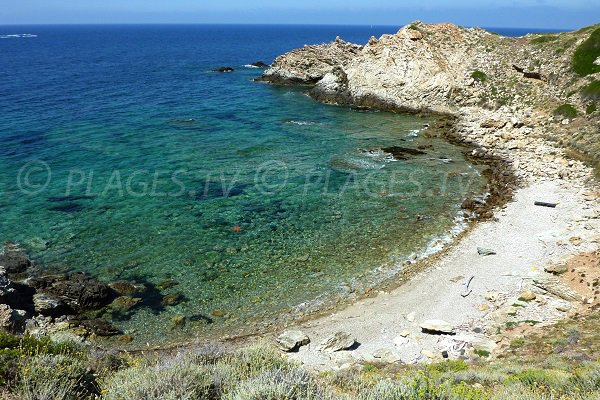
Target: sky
{"points": [[557, 14]]}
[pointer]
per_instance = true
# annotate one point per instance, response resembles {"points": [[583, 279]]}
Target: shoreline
{"points": [[392, 299]]}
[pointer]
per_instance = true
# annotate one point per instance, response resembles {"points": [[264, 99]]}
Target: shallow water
{"points": [[123, 156]]}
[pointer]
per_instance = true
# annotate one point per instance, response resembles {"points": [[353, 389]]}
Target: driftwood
{"points": [[544, 204], [467, 290], [518, 69]]}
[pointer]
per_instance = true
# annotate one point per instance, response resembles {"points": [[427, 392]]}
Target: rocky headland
{"points": [[527, 106]]}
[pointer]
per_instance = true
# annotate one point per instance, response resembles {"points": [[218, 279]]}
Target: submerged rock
{"points": [[402, 153], [292, 340], [337, 342]]}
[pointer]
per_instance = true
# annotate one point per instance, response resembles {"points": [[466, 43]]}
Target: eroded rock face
{"points": [[310, 64]]}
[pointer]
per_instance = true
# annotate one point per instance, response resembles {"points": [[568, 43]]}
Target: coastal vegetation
{"points": [[566, 110], [586, 54], [561, 363]]}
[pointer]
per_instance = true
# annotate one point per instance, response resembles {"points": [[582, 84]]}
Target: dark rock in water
{"points": [[61, 199], [217, 190], [77, 290], [401, 153], [100, 327], [14, 260], [260, 64], [68, 208], [223, 69]]}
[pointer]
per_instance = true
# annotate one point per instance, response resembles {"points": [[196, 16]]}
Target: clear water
{"points": [[123, 156]]}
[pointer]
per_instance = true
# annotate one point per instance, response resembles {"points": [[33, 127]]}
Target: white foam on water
{"points": [[303, 123], [18, 35], [251, 66]]}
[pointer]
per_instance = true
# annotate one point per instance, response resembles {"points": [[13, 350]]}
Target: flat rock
{"points": [[292, 340], [437, 326], [14, 260], [337, 342], [555, 287], [556, 269], [387, 356]]}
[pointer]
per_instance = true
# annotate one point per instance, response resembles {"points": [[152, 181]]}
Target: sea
{"points": [[236, 204]]}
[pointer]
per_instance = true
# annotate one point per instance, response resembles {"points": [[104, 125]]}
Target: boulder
{"points": [[493, 123], [437, 326], [597, 61], [292, 340], [77, 290], [6, 287], [527, 295], [14, 260], [260, 64], [337, 342], [100, 327], [7, 318], [49, 306]]}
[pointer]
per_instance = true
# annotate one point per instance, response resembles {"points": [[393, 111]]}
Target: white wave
{"points": [[303, 123], [18, 35], [251, 66]]}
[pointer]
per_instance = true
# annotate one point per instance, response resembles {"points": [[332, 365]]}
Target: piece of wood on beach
{"points": [[544, 204]]}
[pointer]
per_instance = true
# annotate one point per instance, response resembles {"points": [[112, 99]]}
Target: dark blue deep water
{"points": [[124, 156]]}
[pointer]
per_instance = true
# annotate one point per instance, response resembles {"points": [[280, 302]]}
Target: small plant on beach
{"points": [[591, 108], [586, 54], [479, 76], [566, 110]]}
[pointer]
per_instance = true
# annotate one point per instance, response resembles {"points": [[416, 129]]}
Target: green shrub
{"points": [[544, 39], [278, 384], [51, 377], [586, 54], [591, 108], [255, 360], [566, 110], [178, 379], [449, 366], [592, 91], [479, 76]]}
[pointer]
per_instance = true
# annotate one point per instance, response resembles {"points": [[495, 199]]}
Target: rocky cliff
{"points": [[512, 93]]}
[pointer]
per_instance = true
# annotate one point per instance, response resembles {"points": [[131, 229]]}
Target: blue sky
{"points": [[560, 14]]}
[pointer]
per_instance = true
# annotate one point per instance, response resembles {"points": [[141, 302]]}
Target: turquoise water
{"points": [[123, 156]]}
